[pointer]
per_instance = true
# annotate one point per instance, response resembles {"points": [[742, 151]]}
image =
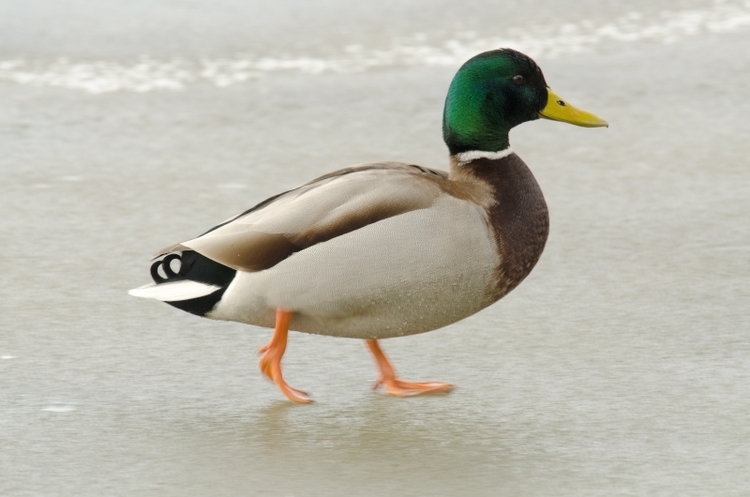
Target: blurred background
{"points": [[619, 367]]}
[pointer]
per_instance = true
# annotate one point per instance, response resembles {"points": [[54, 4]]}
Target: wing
{"points": [[320, 210]]}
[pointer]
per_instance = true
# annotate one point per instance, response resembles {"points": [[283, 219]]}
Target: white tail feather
{"points": [[174, 291]]}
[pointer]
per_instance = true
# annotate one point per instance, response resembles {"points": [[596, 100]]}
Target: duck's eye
{"points": [[518, 79]]}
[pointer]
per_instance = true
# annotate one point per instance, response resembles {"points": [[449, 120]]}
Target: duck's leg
{"points": [[397, 387], [273, 351]]}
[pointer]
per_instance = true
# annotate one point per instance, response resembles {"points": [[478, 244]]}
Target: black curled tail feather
{"points": [[196, 267], [165, 265]]}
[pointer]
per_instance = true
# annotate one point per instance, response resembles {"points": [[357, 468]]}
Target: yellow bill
{"points": [[558, 109]]}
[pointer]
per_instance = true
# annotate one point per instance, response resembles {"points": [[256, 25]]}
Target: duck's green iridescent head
{"points": [[495, 91]]}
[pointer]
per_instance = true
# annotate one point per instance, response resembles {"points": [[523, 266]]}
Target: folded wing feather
{"points": [[325, 208]]}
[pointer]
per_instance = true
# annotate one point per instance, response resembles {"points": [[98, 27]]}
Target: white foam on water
{"points": [[149, 74], [59, 409]]}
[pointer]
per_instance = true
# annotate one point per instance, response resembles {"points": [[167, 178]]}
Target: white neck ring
{"points": [[466, 157]]}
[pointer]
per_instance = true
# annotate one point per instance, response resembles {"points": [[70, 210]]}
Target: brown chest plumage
{"points": [[518, 217]]}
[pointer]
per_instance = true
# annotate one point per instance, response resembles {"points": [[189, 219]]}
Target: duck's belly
{"points": [[404, 275]]}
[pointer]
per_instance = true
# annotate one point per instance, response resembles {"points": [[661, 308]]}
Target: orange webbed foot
{"points": [[398, 387], [408, 388], [270, 360]]}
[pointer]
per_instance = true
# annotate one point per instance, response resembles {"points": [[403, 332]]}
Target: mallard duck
{"points": [[385, 249]]}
